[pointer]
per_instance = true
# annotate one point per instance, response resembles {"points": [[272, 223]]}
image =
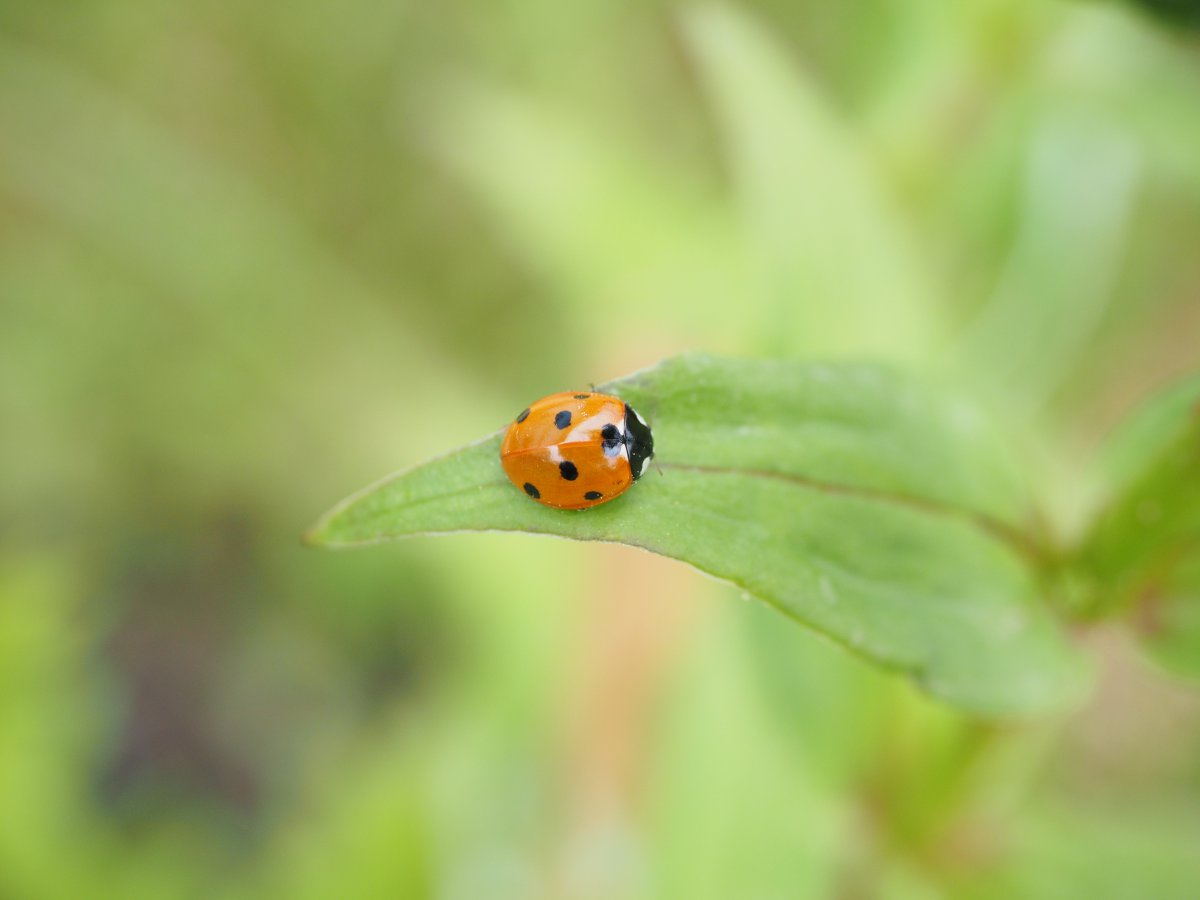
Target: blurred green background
{"points": [[254, 256]]}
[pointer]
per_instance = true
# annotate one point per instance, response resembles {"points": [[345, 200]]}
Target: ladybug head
{"points": [[639, 442]]}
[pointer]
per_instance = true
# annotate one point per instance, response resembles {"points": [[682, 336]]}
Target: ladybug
{"points": [[576, 450]]}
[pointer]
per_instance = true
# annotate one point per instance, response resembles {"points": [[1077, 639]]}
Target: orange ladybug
{"points": [[576, 450]]}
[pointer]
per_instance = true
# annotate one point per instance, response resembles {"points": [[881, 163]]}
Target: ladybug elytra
{"points": [[576, 450]]}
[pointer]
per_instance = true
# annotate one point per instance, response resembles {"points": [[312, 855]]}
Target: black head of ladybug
{"points": [[639, 442]]}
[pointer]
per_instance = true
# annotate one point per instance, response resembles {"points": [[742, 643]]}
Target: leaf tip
{"points": [[318, 534]]}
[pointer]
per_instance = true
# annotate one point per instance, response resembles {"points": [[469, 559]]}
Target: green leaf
{"points": [[823, 236], [1151, 469], [1182, 12], [1080, 182], [1168, 618], [598, 218], [854, 499], [1144, 549], [1095, 850]]}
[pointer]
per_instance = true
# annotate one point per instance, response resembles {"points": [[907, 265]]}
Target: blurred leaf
{"points": [[735, 809], [56, 704], [218, 269], [1185, 12], [367, 834], [827, 244], [47, 719], [1152, 521], [1079, 185], [828, 704], [1094, 852], [604, 222], [1169, 619], [848, 496], [1144, 79], [1145, 548]]}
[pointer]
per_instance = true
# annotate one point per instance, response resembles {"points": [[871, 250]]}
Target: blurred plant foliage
{"points": [[1185, 11], [251, 256]]}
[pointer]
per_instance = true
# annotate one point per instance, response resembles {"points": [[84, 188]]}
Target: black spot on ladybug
{"points": [[523, 416], [563, 419], [582, 396], [592, 495], [611, 437], [532, 491], [568, 470]]}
